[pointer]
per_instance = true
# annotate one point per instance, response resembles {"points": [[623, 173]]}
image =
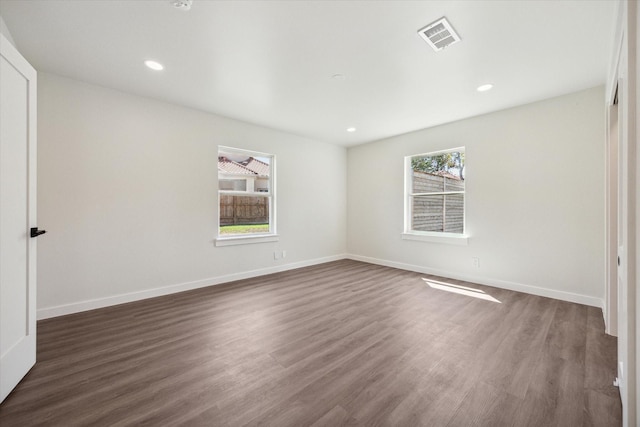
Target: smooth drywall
{"points": [[5, 31], [534, 199], [127, 192]]}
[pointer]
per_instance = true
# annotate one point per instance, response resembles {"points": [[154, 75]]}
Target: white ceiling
{"points": [[271, 62]]}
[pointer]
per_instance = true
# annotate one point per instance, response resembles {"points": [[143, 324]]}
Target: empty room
{"points": [[319, 213]]}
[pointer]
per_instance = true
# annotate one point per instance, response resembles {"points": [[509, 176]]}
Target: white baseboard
{"points": [[519, 287], [77, 307], [604, 316]]}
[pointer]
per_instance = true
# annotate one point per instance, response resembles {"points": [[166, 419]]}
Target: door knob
{"points": [[35, 232]]}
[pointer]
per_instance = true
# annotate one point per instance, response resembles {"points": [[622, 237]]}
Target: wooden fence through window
{"points": [[244, 210]]}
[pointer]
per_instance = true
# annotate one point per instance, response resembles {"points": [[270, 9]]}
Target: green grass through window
{"points": [[244, 229]]}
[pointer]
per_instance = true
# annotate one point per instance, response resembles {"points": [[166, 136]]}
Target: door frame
{"points": [[624, 74], [611, 214]]}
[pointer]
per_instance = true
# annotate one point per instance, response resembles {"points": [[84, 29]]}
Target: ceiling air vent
{"points": [[439, 34]]}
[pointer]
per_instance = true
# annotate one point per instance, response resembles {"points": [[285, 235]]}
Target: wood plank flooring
{"points": [[342, 343]]}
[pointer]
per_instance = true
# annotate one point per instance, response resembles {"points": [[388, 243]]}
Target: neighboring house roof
{"points": [[229, 166], [251, 166], [259, 167], [441, 173]]}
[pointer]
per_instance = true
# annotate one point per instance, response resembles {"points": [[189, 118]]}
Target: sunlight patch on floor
{"points": [[461, 290]]}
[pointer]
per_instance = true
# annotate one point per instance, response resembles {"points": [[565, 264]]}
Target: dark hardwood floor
{"points": [[342, 343]]}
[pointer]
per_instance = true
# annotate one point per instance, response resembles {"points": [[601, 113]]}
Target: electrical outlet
{"points": [[475, 262], [276, 255], [284, 254]]}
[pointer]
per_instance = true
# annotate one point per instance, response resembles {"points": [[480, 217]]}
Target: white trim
{"points": [[245, 193], [496, 283], [245, 240], [616, 52], [611, 215], [251, 153], [270, 195], [77, 307], [447, 150], [409, 233], [450, 238], [61, 310]]}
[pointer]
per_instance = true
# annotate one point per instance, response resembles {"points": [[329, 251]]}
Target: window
{"points": [[246, 197], [434, 196]]}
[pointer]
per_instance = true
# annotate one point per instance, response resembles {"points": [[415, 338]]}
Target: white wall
{"points": [[535, 192], [127, 192], [5, 31]]}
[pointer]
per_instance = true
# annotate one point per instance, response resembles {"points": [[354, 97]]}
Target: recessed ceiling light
{"points": [[352, 129], [154, 65], [484, 88]]}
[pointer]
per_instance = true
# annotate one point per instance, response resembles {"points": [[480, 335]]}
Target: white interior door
{"points": [[17, 216], [611, 265], [625, 240]]}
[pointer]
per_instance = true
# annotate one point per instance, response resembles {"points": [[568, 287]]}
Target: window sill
{"points": [[448, 238], [245, 240]]}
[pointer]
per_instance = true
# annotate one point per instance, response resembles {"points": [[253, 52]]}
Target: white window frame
{"points": [[430, 236], [242, 239]]}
